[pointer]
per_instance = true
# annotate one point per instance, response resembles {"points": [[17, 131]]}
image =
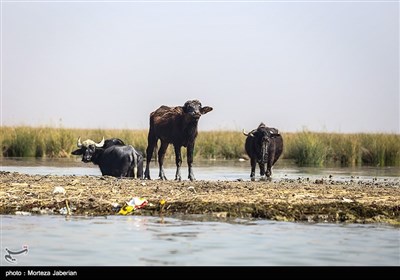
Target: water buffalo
{"points": [[112, 156], [264, 146], [176, 126]]}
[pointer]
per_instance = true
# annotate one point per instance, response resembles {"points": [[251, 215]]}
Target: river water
{"points": [[185, 241], [194, 240], [204, 170]]}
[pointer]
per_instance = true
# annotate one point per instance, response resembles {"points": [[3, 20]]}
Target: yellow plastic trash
{"points": [[126, 210], [132, 205]]}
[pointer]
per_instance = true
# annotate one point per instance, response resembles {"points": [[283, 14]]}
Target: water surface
{"points": [[156, 241], [204, 170]]}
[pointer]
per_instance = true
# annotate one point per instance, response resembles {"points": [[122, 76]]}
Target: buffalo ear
{"points": [[205, 110], [184, 108], [77, 152]]}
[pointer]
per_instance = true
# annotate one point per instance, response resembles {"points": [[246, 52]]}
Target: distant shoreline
{"points": [[286, 200]]}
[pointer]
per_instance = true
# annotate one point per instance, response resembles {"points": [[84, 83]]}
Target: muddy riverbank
{"points": [[320, 200]]}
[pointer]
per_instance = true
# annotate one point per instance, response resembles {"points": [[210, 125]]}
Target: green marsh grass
{"points": [[305, 147]]}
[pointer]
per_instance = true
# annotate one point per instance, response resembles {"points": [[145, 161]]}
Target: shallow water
{"points": [[156, 241], [204, 170]]}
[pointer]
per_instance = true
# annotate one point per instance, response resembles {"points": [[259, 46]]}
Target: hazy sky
{"points": [[322, 66]]}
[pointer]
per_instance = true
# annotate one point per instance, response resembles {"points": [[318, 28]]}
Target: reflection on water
{"points": [[149, 241], [204, 170]]}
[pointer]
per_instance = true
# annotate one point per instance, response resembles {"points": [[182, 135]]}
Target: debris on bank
{"points": [[376, 201], [132, 205]]}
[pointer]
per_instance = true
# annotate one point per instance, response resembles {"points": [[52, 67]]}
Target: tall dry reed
{"points": [[305, 147]]}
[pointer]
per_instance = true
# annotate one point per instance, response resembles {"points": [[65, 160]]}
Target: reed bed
{"points": [[305, 147]]}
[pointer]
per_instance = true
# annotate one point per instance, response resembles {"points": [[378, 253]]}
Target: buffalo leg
{"points": [[269, 166], [161, 155], [133, 160], [152, 143], [189, 150], [140, 166], [262, 171], [178, 161], [269, 172], [253, 169]]}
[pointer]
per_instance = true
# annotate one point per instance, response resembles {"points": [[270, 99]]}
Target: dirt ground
{"points": [[321, 200]]}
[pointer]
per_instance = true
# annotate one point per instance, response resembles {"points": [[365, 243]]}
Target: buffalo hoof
{"points": [[191, 178], [252, 178]]}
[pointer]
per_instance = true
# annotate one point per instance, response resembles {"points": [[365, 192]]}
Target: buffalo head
{"points": [[194, 110], [87, 148]]}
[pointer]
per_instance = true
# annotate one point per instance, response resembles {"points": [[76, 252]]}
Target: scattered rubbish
{"points": [[138, 202], [347, 200], [133, 204], [192, 189], [162, 203], [35, 210], [23, 213], [65, 210], [143, 184], [46, 211], [60, 190], [115, 206], [220, 214]]}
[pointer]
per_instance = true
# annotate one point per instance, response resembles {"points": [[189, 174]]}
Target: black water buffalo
{"points": [[264, 146], [176, 126], [112, 156], [113, 141]]}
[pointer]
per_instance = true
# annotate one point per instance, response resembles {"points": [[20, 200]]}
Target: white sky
{"points": [[323, 66]]}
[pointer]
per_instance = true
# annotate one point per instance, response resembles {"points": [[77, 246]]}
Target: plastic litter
{"points": [[66, 210], [132, 205], [63, 211], [116, 207], [23, 213], [60, 190]]}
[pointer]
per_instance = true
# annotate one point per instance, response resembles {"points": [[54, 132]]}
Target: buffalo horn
{"points": [[79, 144], [248, 134], [101, 144]]}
